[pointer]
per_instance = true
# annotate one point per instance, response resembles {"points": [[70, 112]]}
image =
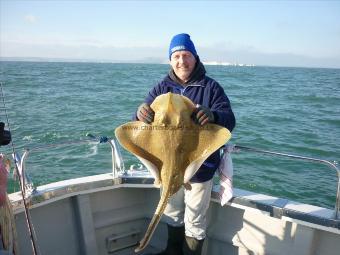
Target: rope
{"points": [[7, 227]]}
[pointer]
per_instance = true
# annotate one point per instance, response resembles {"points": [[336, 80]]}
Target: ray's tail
{"points": [[155, 220]]}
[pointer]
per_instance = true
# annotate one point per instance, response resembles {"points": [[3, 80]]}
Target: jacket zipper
{"points": [[190, 85]]}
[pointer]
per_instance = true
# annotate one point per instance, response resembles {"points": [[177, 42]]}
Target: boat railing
{"points": [[20, 161], [118, 167], [331, 164]]}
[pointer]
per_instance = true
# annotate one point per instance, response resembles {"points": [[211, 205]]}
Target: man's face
{"points": [[183, 63]]}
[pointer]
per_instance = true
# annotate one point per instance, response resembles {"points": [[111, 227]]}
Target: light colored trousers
{"points": [[189, 207]]}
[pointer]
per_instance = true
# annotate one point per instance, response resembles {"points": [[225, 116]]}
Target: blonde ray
{"points": [[173, 144]]}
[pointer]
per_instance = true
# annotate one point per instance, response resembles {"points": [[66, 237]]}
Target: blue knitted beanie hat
{"points": [[182, 42]]}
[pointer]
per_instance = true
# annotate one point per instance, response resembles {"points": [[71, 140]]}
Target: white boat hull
{"points": [[96, 215]]}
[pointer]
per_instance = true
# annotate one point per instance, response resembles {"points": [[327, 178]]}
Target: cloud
{"points": [[29, 18]]}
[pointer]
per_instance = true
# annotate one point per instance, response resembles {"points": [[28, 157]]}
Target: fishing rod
{"points": [[6, 137]]}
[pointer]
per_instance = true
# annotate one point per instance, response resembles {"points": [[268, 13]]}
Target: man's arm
{"points": [[221, 108]]}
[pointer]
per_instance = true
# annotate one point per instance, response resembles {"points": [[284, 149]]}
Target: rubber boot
{"points": [[192, 246], [175, 241]]}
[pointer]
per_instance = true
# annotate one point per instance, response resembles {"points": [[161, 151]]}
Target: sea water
{"points": [[289, 110]]}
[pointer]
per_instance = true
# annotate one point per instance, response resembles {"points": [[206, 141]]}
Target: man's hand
{"points": [[145, 113], [203, 115]]}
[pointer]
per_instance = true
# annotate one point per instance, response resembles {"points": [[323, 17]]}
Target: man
{"points": [[185, 213]]}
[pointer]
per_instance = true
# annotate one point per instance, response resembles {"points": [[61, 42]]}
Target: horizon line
{"points": [[141, 61]]}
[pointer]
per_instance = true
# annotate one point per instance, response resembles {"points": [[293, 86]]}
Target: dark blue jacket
{"points": [[206, 92]]}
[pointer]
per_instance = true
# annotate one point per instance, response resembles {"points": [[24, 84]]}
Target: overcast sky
{"points": [[280, 33]]}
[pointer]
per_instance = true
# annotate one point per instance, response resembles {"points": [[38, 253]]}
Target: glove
{"points": [[145, 113], [203, 115]]}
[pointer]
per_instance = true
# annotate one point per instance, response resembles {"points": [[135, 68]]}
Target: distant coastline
{"points": [[75, 60], [142, 61], [215, 63]]}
